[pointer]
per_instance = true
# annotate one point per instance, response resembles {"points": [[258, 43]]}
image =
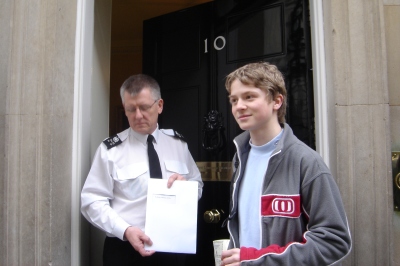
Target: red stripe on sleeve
{"points": [[253, 253]]}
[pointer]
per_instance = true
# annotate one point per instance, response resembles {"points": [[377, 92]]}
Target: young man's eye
{"points": [[248, 97], [232, 101]]}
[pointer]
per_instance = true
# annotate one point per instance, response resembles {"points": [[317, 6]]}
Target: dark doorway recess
{"points": [[191, 51]]}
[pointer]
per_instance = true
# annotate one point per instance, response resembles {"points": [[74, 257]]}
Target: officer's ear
{"points": [[160, 105]]}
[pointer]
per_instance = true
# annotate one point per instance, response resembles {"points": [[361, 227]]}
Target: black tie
{"points": [[154, 162]]}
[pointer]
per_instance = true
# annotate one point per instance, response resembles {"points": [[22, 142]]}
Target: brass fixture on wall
{"points": [[396, 179]]}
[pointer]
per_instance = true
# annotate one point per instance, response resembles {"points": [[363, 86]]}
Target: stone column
{"points": [[357, 73], [36, 114], [392, 25]]}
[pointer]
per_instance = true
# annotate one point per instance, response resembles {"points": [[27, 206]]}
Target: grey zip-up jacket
{"points": [[302, 218]]}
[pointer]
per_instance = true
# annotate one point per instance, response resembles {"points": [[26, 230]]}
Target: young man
{"points": [[115, 192], [285, 207]]}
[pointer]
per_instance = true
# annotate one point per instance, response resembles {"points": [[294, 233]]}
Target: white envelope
{"points": [[171, 216]]}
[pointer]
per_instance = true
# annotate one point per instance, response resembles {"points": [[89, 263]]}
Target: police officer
{"points": [[115, 192]]}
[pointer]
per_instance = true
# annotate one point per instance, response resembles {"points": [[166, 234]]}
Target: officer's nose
{"points": [[138, 113]]}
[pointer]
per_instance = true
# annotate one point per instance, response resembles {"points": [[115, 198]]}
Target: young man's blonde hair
{"points": [[264, 76]]}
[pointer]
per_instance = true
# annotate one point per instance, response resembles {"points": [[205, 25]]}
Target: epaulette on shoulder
{"points": [[115, 140], [173, 133], [112, 141]]}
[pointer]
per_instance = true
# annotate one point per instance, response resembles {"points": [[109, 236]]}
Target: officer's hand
{"points": [[137, 238], [230, 257], [172, 179]]}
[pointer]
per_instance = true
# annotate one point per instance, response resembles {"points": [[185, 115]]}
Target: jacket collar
{"points": [[243, 139]]}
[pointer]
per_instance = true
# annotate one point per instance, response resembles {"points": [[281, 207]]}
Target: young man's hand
{"points": [[230, 257]]}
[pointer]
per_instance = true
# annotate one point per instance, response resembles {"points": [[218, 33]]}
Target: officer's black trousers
{"points": [[117, 252]]}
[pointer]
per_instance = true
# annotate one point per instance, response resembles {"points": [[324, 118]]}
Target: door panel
{"points": [[189, 120], [190, 52], [256, 34], [172, 55]]}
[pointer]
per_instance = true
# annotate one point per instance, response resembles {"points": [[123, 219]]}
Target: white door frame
{"points": [[81, 118], [321, 104]]}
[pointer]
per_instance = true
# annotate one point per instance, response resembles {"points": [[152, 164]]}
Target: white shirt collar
{"points": [[143, 138]]}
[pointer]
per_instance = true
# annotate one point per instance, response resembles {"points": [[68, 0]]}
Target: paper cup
{"points": [[219, 246]]}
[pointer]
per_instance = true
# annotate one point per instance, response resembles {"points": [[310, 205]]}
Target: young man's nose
{"points": [[240, 104]]}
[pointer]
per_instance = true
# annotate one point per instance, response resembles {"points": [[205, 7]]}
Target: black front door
{"points": [[191, 51]]}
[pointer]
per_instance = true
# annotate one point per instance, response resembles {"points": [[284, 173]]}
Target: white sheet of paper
{"points": [[171, 216]]}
